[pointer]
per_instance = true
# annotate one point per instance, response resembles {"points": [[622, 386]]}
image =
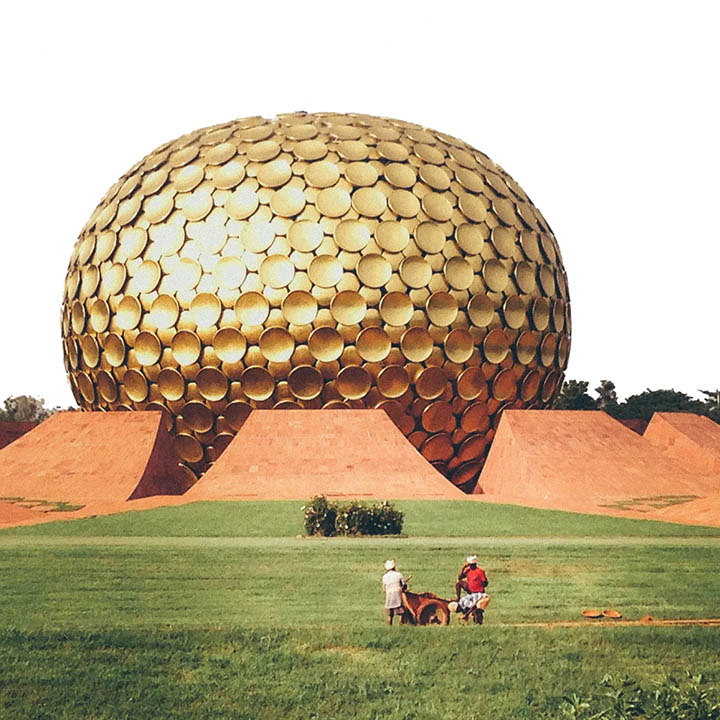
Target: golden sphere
{"points": [[318, 261]]}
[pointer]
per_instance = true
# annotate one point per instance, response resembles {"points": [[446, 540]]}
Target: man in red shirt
{"points": [[471, 579]]}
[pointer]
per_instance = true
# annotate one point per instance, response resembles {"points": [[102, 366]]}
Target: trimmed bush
{"points": [[354, 518], [320, 516]]}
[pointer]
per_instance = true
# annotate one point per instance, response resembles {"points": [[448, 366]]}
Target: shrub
{"points": [[354, 518], [669, 699], [320, 516]]}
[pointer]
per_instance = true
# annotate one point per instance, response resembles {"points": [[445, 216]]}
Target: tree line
{"points": [[575, 396], [25, 408]]}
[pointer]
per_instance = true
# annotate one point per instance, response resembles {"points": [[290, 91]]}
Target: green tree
{"points": [[574, 396], [607, 399], [712, 404], [646, 403]]}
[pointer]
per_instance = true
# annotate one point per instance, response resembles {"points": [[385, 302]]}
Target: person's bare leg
{"points": [[389, 617], [460, 585]]}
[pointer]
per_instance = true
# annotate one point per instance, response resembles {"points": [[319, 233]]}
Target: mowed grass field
{"points": [[219, 610]]}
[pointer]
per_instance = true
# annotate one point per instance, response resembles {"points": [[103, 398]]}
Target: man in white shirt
{"points": [[393, 584]]}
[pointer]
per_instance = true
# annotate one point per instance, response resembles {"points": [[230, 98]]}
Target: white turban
{"points": [[471, 560], [389, 564]]}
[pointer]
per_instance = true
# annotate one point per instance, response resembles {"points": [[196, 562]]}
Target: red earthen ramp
{"points": [[296, 454], [92, 457], [581, 460], [691, 439]]}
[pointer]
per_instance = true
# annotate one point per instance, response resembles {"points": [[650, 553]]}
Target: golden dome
{"points": [[318, 261]]}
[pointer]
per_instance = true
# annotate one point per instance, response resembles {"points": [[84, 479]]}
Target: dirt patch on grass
{"points": [[648, 504], [605, 623]]}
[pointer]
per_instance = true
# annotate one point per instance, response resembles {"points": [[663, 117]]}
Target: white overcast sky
{"points": [[605, 113]]}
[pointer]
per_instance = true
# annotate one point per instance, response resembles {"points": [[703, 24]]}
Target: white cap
{"points": [[471, 559], [389, 564]]}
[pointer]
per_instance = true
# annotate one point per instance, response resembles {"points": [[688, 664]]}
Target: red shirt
{"points": [[476, 579]]}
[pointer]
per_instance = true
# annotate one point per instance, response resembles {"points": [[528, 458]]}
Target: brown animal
{"points": [[425, 609]]}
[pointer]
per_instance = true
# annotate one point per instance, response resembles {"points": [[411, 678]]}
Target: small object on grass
{"points": [[613, 614], [647, 619], [594, 614]]}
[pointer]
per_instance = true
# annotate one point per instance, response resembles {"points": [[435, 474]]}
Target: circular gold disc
{"points": [[373, 344], [353, 382], [530, 386], [305, 382], [396, 308], [495, 275], [374, 270], [229, 345], [392, 236], [325, 271], [257, 383], [415, 271], [188, 448], [393, 381], [436, 416], [325, 344], [431, 383], [205, 310], [442, 309], [287, 202], [471, 383], [496, 346], [186, 347], [430, 237], [481, 310], [277, 344], [171, 384], [299, 307], [504, 239], [198, 416], [504, 385], [526, 347], [333, 202], [459, 273], [128, 313], [252, 308], [475, 418], [277, 271], [164, 311], [352, 235], [348, 307], [514, 311], [305, 235], [437, 447], [459, 345], [107, 387], [322, 174], [114, 350], [416, 344], [237, 412], [135, 384], [147, 348]]}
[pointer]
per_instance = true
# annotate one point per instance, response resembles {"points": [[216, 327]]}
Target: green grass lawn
{"points": [[217, 610], [436, 518]]}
